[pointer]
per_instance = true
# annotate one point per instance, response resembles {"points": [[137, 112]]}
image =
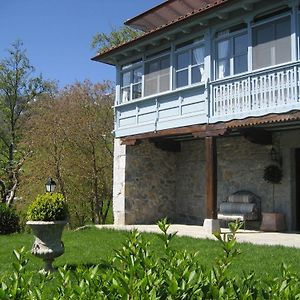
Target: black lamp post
{"points": [[50, 185]]}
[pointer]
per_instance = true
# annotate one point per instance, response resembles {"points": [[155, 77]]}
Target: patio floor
{"points": [[247, 236]]}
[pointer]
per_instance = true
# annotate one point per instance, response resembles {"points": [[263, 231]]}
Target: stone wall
{"points": [[190, 172], [150, 184], [160, 183]]}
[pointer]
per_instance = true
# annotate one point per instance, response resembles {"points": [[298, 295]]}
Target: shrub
{"points": [[135, 272], [48, 207], [9, 220]]}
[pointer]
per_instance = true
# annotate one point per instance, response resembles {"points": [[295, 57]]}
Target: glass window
{"points": [[157, 76], [240, 53], [232, 55], [131, 84], [272, 43], [126, 79], [189, 66], [183, 60], [182, 78], [223, 68]]}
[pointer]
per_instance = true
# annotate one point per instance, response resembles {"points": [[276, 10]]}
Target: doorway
{"points": [[297, 206]]}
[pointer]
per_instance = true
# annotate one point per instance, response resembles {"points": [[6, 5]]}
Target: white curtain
{"points": [[223, 59], [198, 54]]}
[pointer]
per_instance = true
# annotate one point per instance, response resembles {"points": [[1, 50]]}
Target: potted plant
{"points": [[47, 216], [273, 221]]}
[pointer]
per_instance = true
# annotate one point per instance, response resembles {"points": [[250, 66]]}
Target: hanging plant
{"points": [[273, 174]]}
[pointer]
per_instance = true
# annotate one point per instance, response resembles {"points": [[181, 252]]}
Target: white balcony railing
{"points": [[272, 90]]}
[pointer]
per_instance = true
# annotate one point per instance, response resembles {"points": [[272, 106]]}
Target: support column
{"points": [[119, 183], [211, 224]]}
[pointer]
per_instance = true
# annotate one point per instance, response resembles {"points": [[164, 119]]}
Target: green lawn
{"points": [[91, 246]]}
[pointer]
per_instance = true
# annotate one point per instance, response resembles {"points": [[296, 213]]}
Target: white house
{"points": [[206, 99]]}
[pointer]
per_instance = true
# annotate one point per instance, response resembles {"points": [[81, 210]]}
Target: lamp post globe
{"points": [[50, 185]]}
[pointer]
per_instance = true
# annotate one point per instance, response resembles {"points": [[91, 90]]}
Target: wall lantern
{"points": [[50, 185]]}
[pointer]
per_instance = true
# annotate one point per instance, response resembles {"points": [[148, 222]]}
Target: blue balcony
{"points": [[272, 90]]}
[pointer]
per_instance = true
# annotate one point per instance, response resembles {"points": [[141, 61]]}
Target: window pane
{"points": [[125, 94], [198, 56], [197, 74], [223, 68], [150, 86], [241, 44], [126, 79], [240, 64], [157, 78], [283, 41], [182, 60], [182, 78], [263, 37], [164, 83], [272, 43], [223, 49], [165, 62], [137, 91], [137, 75]]}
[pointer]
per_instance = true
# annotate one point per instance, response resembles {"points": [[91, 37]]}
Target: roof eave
{"points": [[109, 56]]}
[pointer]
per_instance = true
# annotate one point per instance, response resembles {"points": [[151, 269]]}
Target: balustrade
{"points": [[272, 90]]}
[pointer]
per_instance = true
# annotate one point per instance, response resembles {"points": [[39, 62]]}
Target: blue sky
{"points": [[57, 33]]}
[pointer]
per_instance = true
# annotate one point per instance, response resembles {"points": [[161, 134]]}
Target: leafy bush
{"points": [[48, 207], [136, 273], [9, 220]]}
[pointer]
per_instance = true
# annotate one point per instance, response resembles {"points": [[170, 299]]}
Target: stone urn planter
{"points": [[47, 217], [48, 244]]}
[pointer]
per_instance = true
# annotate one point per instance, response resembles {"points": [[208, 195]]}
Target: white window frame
{"points": [[230, 37], [189, 49], [268, 21], [131, 68], [149, 60]]}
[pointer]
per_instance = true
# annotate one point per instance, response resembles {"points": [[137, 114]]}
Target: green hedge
{"points": [[9, 220], [135, 272]]}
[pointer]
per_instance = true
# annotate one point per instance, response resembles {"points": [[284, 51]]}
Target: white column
{"points": [[119, 183]]}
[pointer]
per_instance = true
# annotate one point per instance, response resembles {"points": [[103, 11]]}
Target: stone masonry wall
{"points": [[150, 184], [160, 183], [190, 172]]}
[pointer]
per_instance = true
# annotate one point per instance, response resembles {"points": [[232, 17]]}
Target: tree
{"points": [[102, 41], [18, 88], [70, 139]]}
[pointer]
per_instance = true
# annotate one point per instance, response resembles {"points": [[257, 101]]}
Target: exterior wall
{"points": [[190, 193], [150, 184], [160, 184]]}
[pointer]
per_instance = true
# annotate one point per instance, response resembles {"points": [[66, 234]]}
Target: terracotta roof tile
{"points": [[264, 120], [181, 18]]}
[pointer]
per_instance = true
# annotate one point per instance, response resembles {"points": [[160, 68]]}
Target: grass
{"points": [[91, 246]]}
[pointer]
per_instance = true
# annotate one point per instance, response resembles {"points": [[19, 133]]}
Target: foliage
{"points": [[48, 207], [135, 272], [273, 174], [103, 42], [9, 220], [18, 88], [70, 139]]}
